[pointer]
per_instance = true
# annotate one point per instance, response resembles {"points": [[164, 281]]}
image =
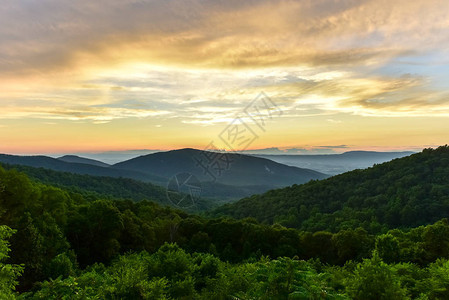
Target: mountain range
{"points": [[334, 164], [228, 168], [242, 176], [82, 160]]}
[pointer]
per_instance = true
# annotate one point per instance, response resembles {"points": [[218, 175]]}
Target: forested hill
{"points": [[105, 187], [111, 188], [405, 192], [58, 244]]}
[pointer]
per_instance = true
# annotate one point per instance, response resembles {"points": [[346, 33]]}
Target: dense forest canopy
{"points": [[66, 244]]}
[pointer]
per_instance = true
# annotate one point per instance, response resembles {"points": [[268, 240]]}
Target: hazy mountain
{"points": [[82, 160], [317, 150], [334, 164], [246, 176], [243, 170], [113, 157], [405, 192], [78, 168], [324, 163]]}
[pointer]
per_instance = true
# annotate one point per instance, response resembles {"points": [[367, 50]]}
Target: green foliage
{"points": [[203, 276], [62, 265], [438, 281], [374, 279], [387, 247], [94, 187], [288, 279], [8, 272], [352, 244], [190, 276]]}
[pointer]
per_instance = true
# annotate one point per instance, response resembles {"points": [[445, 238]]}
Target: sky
{"points": [[114, 75]]}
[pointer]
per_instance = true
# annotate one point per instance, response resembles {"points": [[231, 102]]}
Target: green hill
{"points": [[109, 187], [403, 193]]}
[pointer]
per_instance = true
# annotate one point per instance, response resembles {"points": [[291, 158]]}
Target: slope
{"points": [[405, 192], [108, 187]]}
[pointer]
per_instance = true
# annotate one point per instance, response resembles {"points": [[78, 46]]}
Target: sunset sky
{"points": [[81, 76]]}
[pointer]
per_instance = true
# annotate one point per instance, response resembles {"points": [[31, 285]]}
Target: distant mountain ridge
{"points": [[82, 160], [334, 164], [113, 157], [40, 161], [362, 153], [243, 170], [247, 175]]}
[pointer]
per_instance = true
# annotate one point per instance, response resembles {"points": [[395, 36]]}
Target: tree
{"points": [[8, 273], [387, 246], [438, 282], [352, 244], [374, 279], [105, 226]]}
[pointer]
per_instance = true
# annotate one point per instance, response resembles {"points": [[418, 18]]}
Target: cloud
{"points": [[96, 114], [69, 36], [203, 60], [209, 97]]}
